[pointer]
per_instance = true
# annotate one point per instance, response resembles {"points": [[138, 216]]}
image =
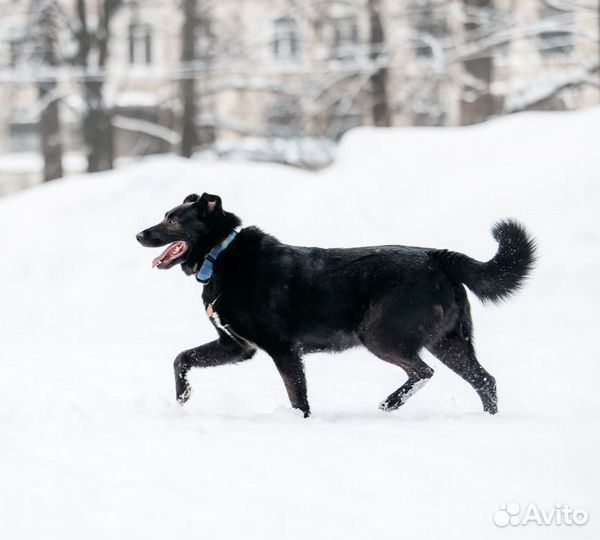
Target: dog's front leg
{"points": [[291, 369], [216, 353]]}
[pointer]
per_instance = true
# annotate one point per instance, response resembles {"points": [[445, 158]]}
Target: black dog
{"points": [[289, 301]]}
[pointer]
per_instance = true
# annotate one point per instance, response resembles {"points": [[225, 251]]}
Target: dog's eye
{"points": [[171, 221]]}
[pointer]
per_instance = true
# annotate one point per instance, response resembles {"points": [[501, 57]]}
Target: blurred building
{"points": [[285, 70]]}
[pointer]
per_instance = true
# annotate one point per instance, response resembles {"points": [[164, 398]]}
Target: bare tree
{"points": [[92, 56], [477, 101], [315, 84], [189, 133], [380, 107], [44, 30]]}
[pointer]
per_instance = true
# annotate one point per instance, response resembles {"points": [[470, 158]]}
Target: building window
{"points": [[284, 118], [555, 40], [140, 44], [344, 36], [23, 137], [285, 43], [14, 52], [16, 46], [430, 24], [206, 42]]}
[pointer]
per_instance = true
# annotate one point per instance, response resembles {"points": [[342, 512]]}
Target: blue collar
{"points": [[206, 270]]}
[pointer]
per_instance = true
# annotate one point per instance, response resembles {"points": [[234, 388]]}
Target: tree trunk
{"points": [[49, 122], [481, 106], [97, 129], [380, 109], [189, 134], [97, 120], [49, 125]]}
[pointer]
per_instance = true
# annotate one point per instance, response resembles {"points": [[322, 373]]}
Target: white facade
{"points": [[291, 67]]}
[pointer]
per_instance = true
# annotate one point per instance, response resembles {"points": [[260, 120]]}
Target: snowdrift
{"points": [[93, 445]]}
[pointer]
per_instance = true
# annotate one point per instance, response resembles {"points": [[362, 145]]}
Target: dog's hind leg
{"points": [[456, 351], [418, 371], [216, 353], [418, 374]]}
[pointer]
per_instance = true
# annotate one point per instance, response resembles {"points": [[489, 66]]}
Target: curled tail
{"points": [[501, 276]]}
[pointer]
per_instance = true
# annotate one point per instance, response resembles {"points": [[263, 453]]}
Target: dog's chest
{"points": [[223, 323]]}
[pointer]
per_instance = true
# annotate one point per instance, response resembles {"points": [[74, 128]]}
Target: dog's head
{"points": [[192, 229]]}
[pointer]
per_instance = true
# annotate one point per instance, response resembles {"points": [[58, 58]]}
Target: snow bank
{"points": [[92, 444], [33, 162]]}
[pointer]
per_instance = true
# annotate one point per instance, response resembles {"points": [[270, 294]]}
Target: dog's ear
{"points": [[210, 205], [192, 198]]}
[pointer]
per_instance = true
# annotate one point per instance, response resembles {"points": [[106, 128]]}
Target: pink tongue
{"points": [[165, 256]]}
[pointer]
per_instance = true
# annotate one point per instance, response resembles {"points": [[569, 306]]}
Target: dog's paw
{"points": [[184, 396], [387, 406]]}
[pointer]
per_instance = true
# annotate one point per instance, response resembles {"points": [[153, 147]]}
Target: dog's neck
{"points": [[205, 272], [219, 231]]}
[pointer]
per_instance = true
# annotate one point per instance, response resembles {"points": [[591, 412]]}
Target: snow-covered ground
{"points": [[93, 445], [23, 170]]}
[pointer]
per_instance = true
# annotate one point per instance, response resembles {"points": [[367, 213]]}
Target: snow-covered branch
{"points": [[146, 128], [537, 90]]}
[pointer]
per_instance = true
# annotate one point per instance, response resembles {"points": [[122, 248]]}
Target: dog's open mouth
{"points": [[173, 252]]}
